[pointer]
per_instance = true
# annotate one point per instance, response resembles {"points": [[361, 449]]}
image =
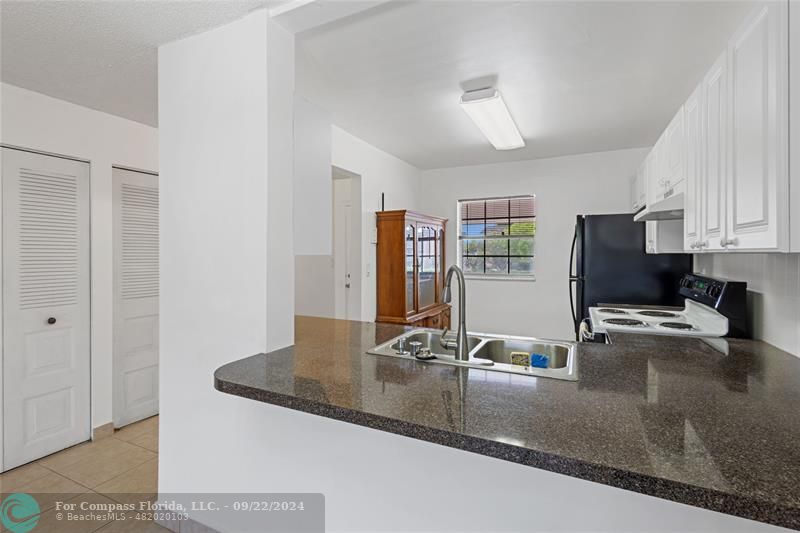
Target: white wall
{"points": [[312, 178], [280, 211], [35, 121], [315, 290], [214, 142], [773, 282], [380, 173], [564, 187], [376, 481]]}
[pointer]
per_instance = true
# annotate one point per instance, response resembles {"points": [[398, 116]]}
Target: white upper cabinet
{"points": [[664, 236], [667, 169], [794, 122], [654, 173], [638, 189], [715, 155], [694, 171], [728, 148], [757, 179], [641, 188], [674, 153]]}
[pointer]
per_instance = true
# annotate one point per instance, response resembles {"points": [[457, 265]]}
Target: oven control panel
{"points": [[728, 297], [701, 289]]}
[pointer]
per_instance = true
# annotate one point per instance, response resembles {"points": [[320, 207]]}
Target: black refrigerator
{"points": [[608, 264]]}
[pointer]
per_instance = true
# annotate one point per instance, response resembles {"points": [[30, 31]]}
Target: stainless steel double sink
{"points": [[490, 352]]}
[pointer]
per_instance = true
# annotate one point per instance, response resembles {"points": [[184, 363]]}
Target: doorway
{"points": [[135, 230], [347, 244], [46, 305]]}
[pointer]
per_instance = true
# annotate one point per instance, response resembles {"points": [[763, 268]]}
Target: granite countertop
{"points": [[671, 417]]}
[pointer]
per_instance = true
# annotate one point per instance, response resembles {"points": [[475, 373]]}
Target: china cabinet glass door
{"points": [[440, 262], [426, 265], [410, 267]]}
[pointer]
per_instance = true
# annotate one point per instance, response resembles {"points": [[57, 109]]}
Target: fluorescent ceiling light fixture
{"points": [[488, 111]]}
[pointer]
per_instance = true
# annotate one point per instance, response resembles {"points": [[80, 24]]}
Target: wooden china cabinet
{"points": [[410, 269]]}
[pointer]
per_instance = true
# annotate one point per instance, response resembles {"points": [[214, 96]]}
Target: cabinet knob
{"points": [[693, 245], [728, 242], [51, 320]]}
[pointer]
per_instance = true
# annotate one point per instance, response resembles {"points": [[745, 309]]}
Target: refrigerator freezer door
{"points": [[614, 267]]}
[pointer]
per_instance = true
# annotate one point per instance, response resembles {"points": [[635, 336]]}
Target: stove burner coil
{"points": [[676, 325], [658, 314], [625, 322], [612, 311]]}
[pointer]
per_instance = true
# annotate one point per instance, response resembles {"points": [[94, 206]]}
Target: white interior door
{"points": [[46, 322], [135, 206], [342, 225]]}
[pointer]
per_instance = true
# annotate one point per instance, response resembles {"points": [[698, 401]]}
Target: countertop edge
{"points": [[710, 499]]}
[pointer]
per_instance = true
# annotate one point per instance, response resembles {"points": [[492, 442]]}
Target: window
{"points": [[496, 236]]}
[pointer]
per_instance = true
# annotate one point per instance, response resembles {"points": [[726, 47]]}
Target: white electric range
{"points": [[695, 320], [713, 308]]}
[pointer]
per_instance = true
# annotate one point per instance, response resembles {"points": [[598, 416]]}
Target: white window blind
{"points": [[497, 236]]}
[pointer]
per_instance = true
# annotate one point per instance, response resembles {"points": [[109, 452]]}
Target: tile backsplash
{"points": [[773, 283]]}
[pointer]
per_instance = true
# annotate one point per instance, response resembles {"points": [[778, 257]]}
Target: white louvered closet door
{"points": [[135, 205], [46, 332]]}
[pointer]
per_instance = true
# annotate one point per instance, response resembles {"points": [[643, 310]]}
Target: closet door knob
{"points": [[51, 320]]}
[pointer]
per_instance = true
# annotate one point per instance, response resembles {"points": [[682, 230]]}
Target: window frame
{"points": [[460, 242]]}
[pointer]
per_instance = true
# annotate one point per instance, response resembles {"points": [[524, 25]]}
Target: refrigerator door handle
{"points": [[572, 303], [572, 276], [573, 279]]}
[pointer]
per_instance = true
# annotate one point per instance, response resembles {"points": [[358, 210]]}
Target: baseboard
{"points": [[101, 432]]}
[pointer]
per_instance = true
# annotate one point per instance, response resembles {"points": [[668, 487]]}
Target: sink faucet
{"points": [[460, 345]]}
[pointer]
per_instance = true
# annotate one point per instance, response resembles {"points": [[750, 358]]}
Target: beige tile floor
{"points": [[121, 468]]}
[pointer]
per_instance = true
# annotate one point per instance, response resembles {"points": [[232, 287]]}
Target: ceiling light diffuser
{"points": [[488, 111]]}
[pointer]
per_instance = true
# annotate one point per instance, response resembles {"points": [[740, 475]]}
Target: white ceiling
{"points": [[102, 54], [577, 76]]}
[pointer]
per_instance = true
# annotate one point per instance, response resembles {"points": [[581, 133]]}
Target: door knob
{"points": [[51, 320]]}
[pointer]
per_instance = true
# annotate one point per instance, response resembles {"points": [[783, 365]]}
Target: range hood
{"points": [[670, 208]]}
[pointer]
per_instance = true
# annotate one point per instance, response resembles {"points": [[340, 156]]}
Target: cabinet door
{"points": [[694, 171], [654, 189], [674, 151], [794, 124], [641, 188], [426, 267], [664, 236], [757, 199], [411, 266], [712, 187], [651, 234], [441, 263]]}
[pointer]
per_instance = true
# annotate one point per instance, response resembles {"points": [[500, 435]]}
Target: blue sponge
{"points": [[539, 360]]}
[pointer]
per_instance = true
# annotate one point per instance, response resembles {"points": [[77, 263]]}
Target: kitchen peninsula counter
{"points": [[715, 427]]}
